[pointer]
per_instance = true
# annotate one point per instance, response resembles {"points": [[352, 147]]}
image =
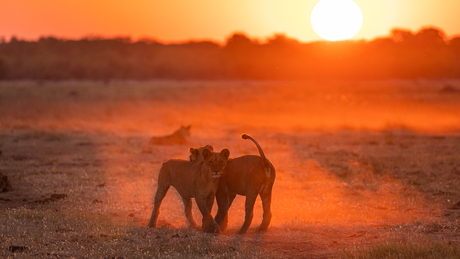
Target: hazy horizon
{"points": [[179, 21], [263, 39]]}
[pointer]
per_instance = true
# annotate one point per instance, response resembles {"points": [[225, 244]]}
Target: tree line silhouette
{"points": [[402, 54]]}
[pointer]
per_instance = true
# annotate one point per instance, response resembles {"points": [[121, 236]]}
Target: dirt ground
{"points": [[358, 164]]}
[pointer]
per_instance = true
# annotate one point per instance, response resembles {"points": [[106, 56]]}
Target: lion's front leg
{"points": [[249, 212], [208, 224], [223, 217], [210, 202], [222, 207], [188, 212]]}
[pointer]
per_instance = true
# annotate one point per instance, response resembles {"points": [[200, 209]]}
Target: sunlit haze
{"points": [[180, 20], [354, 105]]}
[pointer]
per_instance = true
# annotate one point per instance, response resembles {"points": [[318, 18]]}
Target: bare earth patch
{"points": [[360, 166]]}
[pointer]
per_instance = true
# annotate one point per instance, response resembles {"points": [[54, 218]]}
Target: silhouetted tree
{"points": [[431, 37], [403, 54], [240, 42], [281, 40], [402, 35], [2, 69]]}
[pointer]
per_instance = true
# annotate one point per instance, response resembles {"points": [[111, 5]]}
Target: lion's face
{"points": [[195, 153], [215, 162]]}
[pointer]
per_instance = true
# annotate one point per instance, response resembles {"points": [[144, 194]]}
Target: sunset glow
{"points": [[353, 108], [180, 20]]}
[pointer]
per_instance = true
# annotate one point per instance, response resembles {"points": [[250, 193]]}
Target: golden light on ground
{"points": [[336, 19]]}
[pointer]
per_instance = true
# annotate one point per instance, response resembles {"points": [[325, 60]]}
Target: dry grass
{"points": [[403, 251], [364, 169], [62, 234]]}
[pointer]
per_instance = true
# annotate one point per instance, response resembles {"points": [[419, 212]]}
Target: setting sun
{"points": [[336, 19]]}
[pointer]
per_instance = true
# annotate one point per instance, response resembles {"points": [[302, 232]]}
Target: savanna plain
{"points": [[365, 169]]}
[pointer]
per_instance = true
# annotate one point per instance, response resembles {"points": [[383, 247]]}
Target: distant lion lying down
{"points": [[198, 179], [179, 137]]}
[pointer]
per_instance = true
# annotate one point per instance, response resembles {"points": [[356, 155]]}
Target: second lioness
{"points": [[250, 176], [197, 180]]}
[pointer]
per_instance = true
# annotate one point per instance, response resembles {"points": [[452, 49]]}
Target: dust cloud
{"points": [[336, 146]]}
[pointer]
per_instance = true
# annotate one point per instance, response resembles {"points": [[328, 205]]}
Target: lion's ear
{"points": [[225, 153], [206, 153], [209, 147], [193, 154]]}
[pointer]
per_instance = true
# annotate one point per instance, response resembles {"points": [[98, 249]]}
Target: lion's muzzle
{"points": [[216, 174]]}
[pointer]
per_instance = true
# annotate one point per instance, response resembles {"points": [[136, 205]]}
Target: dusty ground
{"points": [[358, 164]]}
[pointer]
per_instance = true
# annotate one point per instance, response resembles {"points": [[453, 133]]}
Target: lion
{"points": [[248, 175], [178, 137], [198, 179], [5, 184]]}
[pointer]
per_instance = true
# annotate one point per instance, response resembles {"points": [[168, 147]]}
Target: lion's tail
{"points": [[261, 152]]}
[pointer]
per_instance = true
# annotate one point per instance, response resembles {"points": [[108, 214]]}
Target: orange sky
{"points": [[180, 20]]}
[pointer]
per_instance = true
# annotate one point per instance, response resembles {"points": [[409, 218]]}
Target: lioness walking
{"points": [[250, 176], [197, 180]]}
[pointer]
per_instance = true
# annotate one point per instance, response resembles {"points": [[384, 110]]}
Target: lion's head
{"points": [[215, 162]]}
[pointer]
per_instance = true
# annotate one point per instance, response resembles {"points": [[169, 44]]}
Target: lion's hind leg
{"points": [[159, 196], [266, 197]]}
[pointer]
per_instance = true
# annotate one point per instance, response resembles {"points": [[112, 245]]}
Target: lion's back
{"points": [[242, 172], [179, 173]]}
